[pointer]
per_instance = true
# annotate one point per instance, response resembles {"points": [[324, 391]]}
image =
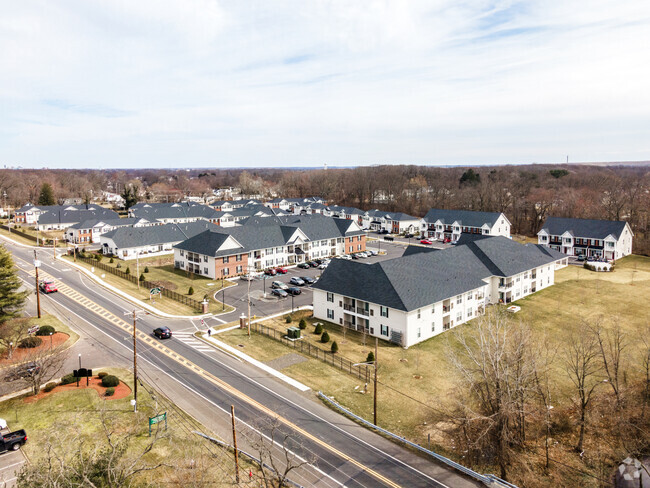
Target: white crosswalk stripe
{"points": [[190, 339]]}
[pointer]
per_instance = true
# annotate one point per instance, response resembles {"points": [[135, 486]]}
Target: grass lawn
{"points": [[47, 319], [422, 373], [67, 414], [167, 276]]}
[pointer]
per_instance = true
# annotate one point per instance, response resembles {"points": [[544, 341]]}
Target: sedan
{"points": [[162, 333], [313, 264], [304, 266], [323, 265], [26, 370], [447, 240], [279, 284], [426, 241], [296, 281], [279, 293], [354, 256], [281, 270], [308, 280], [294, 290], [372, 253], [271, 272], [345, 256]]}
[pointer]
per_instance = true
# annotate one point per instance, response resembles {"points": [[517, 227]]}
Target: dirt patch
{"points": [[49, 342], [121, 390], [165, 284], [286, 361]]}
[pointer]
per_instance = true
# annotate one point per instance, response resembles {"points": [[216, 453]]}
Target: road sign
{"points": [[37, 263], [154, 291], [157, 419], [33, 329]]}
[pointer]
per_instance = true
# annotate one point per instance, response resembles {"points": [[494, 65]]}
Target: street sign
{"points": [[37, 263], [33, 329], [82, 372], [154, 291], [157, 419]]}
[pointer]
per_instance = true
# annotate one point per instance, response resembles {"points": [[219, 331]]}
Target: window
{"points": [[459, 316], [340, 303], [470, 296], [518, 279], [330, 297], [526, 275], [225, 271], [433, 326], [384, 330], [459, 299], [239, 269], [469, 312], [433, 309], [205, 270], [419, 333], [225, 259], [419, 314], [525, 289], [330, 314], [239, 257], [383, 311], [182, 253]]}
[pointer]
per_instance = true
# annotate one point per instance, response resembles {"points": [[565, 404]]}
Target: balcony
{"points": [[363, 311], [505, 285], [349, 308], [533, 276], [446, 308], [480, 296]]}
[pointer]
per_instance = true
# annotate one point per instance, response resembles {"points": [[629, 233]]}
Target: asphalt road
{"points": [[342, 452]]}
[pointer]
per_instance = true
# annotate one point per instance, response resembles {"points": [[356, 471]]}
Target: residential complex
{"points": [[450, 224], [59, 217], [415, 297], [606, 239]]}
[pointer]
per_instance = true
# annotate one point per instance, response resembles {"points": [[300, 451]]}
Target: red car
{"points": [[426, 241], [48, 286], [271, 272], [281, 270], [447, 240]]}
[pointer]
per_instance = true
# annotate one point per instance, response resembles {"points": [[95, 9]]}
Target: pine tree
{"points": [[46, 196], [11, 298]]}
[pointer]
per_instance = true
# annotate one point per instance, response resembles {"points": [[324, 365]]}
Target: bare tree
{"points": [[582, 365], [611, 345], [45, 365], [12, 332]]}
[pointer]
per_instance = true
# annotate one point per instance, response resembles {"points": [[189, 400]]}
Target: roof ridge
{"points": [[387, 276]]}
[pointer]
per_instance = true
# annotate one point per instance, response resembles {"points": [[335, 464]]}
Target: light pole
{"points": [[223, 292], [37, 265], [135, 369], [78, 372], [375, 365], [50, 341]]}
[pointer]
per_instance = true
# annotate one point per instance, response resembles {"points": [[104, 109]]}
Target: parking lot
{"points": [[11, 462]]}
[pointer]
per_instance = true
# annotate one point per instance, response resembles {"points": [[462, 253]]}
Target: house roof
{"points": [[89, 224], [75, 216], [592, 229], [125, 237], [420, 279], [467, 218], [166, 211]]}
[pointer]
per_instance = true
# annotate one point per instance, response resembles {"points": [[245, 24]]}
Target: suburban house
{"points": [[450, 224], [173, 213], [393, 222], [56, 217], [129, 242], [88, 231], [606, 239], [267, 242], [417, 296]]}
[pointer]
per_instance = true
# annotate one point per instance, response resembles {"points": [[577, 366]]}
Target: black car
{"points": [[382, 231], [308, 280], [26, 370], [294, 290], [304, 266], [162, 333], [279, 293], [354, 256], [313, 264]]}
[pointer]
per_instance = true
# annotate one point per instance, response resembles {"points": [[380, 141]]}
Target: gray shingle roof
{"points": [[89, 224], [183, 210], [125, 237], [420, 279], [75, 216], [592, 229], [467, 218]]}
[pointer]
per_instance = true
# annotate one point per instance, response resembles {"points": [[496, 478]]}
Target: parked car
{"points": [[308, 279], [313, 264], [354, 256], [590, 259], [426, 241], [296, 281], [279, 293], [281, 270], [389, 238], [304, 265], [323, 265], [48, 286], [345, 256], [447, 240], [362, 254], [162, 333], [270, 271], [581, 257], [22, 371], [382, 231], [408, 235], [13, 440], [293, 290], [279, 284], [373, 253]]}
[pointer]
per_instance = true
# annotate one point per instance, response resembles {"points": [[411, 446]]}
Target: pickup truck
{"points": [[48, 286], [13, 440]]}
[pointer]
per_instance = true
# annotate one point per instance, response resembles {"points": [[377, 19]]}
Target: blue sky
{"points": [[204, 83]]}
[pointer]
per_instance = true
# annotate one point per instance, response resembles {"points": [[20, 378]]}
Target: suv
{"points": [[23, 371], [48, 286], [279, 285], [162, 333]]}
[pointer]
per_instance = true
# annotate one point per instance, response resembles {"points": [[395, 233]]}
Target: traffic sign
{"points": [[154, 291], [157, 419]]}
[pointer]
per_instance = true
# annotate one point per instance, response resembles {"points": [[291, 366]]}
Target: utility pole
{"points": [[223, 292], [234, 443], [137, 267], [249, 304], [54, 247], [135, 368], [37, 264], [375, 388]]}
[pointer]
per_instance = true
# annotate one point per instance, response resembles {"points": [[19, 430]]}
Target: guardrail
{"points": [[488, 479]]}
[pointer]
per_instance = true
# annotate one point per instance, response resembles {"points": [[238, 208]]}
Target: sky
{"points": [[207, 83]]}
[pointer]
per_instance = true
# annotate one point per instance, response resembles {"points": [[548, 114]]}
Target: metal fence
{"points": [[19, 233], [359, 370], [178, 297]]}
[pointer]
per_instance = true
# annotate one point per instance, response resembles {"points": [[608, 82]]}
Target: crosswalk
{"points": [[189, 339]]}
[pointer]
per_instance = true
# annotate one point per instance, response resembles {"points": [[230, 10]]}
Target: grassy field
{"points": [[423, 375], [64, 415], [167, 276]]}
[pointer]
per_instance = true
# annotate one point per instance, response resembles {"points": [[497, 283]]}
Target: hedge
{"points": [[109, 391], [101, 374], [30, 342], [110, 380], [49, 387], [45, 330], [288, 319], [318, 329], [335, 347], [325, 338], [69, 378], [302, 324]]}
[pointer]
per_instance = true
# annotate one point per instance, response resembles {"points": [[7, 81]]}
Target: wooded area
{"points": [[526, 194]]}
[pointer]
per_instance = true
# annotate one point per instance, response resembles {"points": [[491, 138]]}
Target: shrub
{"points": [[335, 347], [49, 387], [119, 265], [111, 260], [98, 257], [319, 329], [146, 269], [190, 291], [302, 324], [30, 342], [110, 380], [128, 271], [370, 358], [288, 319], [69, 378], [141, 277], [101, 374], [109, 391], [325, 338], [45, 330]]}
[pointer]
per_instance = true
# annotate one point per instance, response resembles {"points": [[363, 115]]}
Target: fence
{"points": [[359, 370], [19, 233], [178, 297]]}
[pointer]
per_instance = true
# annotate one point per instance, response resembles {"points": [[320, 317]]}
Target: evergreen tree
{"points": [[470, 177], [130, 195], [11, 298], [46, 196]]}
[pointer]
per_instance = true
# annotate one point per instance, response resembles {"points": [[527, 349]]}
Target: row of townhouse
{"points": [[90, 231], [59, 217], [267, 242], [451, 224], [605, 239], [294, 205], [412, 298]]}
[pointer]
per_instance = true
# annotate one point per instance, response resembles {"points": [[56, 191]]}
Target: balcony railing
{"points": [[446, 309], [533, 276], [363, 311], [349, 308], [480, 297], [505, 285]]}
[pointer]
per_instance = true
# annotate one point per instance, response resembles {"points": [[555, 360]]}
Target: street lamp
{"points": [[223, 292], [51, 341]]}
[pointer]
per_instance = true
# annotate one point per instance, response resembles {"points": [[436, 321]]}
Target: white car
{"points": [[345, 256], [372, 252], [322, 265]]}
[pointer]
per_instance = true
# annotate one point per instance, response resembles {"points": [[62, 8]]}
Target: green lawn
{"points": [[47, 319], [69, 414]]}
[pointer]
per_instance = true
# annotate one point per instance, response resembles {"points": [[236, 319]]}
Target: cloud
{"points": [[203, 82]]}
